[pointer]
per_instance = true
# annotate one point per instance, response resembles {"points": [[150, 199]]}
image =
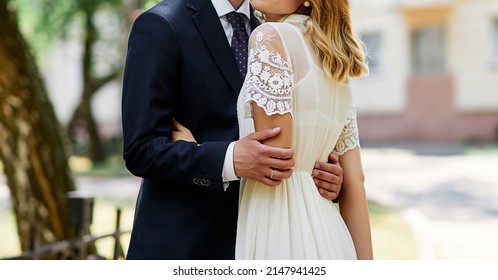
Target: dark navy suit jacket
{"points": [[179, 65]]}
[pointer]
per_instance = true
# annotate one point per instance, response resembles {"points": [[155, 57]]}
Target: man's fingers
{"points": [[265, 134], [333, 169], [253, 160], [334, 158], [327, 194], [328, 182], [282, 164], [280, 174], [327, 190], [272, 152], [327, 176], [275, 177], [269, 182]]}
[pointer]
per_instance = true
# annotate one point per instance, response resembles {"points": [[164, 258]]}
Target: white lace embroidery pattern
{"points": [[270, 82], [349, 138]]}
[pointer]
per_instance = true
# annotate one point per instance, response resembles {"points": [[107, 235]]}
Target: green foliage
{"points": [[485, 149], [43, 21], [392, 236], [149, 3]]}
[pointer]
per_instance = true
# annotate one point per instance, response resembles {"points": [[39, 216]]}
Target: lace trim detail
{"points": [[349, 138], [270, 79]]}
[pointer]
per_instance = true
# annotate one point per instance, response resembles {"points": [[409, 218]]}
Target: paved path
{"points": [[450, 199]]}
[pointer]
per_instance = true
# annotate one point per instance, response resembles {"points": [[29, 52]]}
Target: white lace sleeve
{"points": [[349, 138], [270, 78]]}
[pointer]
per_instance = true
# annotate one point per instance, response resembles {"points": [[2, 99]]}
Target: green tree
{"points": [[56, 20], [33, 153], [60, 16]]}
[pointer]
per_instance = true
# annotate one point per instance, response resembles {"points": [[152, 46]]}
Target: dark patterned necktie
{"points": [[239, 40]]}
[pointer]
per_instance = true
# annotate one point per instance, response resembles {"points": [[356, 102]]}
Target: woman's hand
{"points": [[182, 133]]}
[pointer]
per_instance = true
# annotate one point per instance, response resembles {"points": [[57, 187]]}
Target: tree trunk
{"points": [[32, 148], [82, 118]]}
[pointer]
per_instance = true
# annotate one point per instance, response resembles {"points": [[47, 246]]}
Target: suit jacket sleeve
{"points": [[148, 103]]}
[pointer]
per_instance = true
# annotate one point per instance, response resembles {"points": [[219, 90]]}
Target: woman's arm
{"points": [[283, 140], [270, 86], [182, 133], [353, 203], [268, 90], [262, 121]]}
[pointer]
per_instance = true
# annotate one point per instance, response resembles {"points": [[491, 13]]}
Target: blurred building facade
{"points": [[433, 70]]}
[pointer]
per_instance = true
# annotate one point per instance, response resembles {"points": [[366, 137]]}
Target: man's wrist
{"points": [[228, 167]]}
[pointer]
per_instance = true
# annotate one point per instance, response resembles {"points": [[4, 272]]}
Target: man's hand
{"points": [[328, 177], [265, 164]]}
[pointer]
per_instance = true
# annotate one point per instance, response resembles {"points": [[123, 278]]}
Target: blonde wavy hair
{"points": [[331, 33]]}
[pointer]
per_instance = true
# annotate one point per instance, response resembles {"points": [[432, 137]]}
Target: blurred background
{"points": [[427, 115]]}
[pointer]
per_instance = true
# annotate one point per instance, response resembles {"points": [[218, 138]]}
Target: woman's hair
{"points": [[331, 33]]}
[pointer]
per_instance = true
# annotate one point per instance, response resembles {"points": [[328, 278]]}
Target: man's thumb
{"points": [[266, 134], [334, 158]]}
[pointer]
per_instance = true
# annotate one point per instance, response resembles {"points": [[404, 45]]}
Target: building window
{"points": [[495, 30], [428, 50], [373, 45]]}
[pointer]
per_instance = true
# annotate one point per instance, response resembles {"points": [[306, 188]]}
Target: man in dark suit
{"points": [[180, 66]]}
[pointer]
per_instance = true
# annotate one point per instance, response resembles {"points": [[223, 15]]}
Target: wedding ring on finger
{"points": [[272, 173]]}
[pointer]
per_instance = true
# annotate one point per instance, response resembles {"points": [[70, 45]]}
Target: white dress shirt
{"points": [[224, 7]]}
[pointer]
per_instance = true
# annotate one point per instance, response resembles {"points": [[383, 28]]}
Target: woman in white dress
{"points": [[300, 59]]}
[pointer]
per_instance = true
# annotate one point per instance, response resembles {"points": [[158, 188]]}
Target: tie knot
{"points": [[237, 21]]}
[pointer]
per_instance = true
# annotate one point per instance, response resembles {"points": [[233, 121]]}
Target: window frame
{"points": [[428, 49], [374, 50], [495, 40]]}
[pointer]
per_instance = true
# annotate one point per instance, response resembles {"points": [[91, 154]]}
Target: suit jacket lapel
{"points": [[205, 18]]}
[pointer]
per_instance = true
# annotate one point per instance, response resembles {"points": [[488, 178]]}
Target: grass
{"points": [[391, 235], [487, 149], [9, 243], [113, 166], [103, 222]]}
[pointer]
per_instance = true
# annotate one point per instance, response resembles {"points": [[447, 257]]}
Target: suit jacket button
{"points": [[208, 183], [203, 182], [196, 181]]}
